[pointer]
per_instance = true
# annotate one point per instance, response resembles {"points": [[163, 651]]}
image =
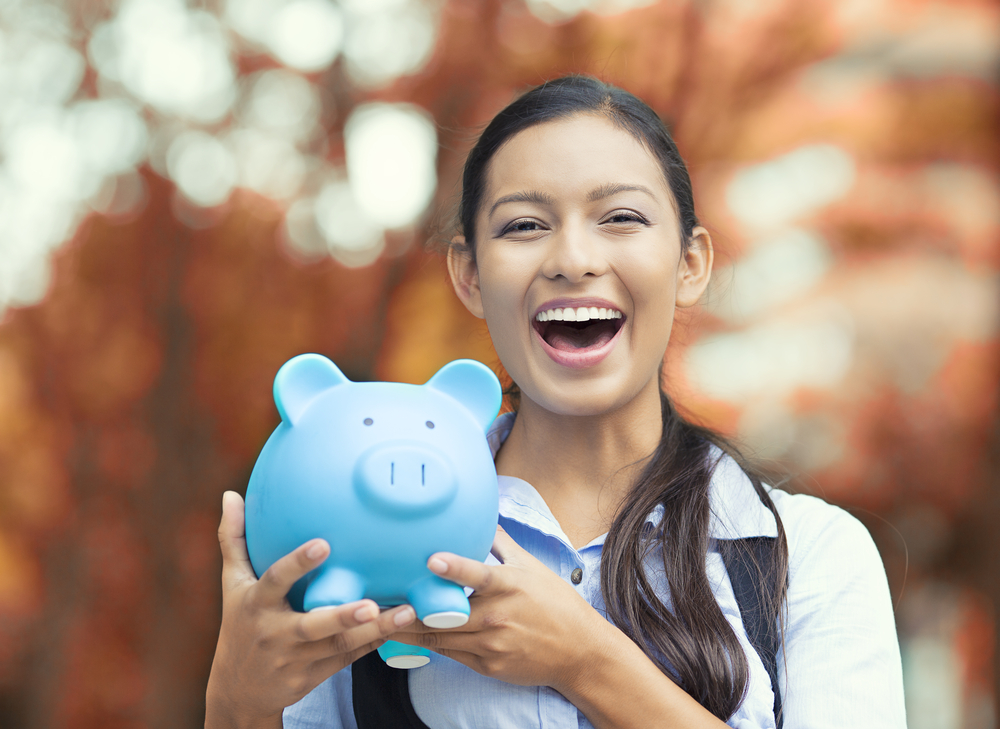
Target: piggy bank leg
{"points": [[333, 586], [401, 655], [439, 603]]}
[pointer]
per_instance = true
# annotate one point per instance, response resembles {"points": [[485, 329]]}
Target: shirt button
{"points": [[577, 576]]}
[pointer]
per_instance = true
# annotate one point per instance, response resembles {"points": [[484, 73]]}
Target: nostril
{"points": [[422, 479], [392, 474]]}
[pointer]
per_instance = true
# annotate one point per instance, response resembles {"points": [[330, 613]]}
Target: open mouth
{"points": [[578, 329]]}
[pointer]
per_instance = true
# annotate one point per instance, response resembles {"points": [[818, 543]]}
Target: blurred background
{"points": [[193, 191]]}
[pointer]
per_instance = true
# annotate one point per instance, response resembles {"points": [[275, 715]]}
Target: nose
{"points": [[404, 479], [574, 253]]}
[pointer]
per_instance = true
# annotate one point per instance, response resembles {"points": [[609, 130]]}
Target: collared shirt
{"points": [[839, 665]]}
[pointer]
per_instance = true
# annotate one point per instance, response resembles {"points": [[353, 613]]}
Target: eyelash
{"points": [[630, 217], [512, 227]]}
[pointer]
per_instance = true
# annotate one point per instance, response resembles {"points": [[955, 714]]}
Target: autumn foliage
{"points": [[140, 388]]}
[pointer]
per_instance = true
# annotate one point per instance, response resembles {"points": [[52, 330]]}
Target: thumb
{"points": [[507, 550], [236, 565]]}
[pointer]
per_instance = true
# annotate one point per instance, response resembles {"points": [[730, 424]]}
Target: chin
{"points": [[578, 399]]}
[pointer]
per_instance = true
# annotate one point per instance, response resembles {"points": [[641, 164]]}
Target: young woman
{"points": [[612, 601]]}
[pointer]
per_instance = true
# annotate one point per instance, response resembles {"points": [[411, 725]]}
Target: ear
{"points": [[300, 380], [695, 268], [465, 275], [473, 385]]}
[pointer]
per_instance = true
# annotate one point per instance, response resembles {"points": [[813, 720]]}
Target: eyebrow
{"points": [[614, 188], [600, 193], [531, 196]]}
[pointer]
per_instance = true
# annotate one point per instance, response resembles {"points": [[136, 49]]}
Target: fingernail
{"points": [[315, 551], [404, 617], [365, 613], [438, 566]]}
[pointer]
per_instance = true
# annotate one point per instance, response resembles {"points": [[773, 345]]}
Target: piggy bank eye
{"points": [[429, 424], [368, 421]]}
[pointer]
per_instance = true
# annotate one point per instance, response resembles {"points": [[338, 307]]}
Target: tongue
{"points": [[565, 337]]}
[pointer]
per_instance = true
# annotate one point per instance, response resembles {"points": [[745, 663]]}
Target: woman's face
{"points": [[579, 265]]}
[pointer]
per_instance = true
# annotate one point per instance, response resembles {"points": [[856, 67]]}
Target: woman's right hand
{"points": [[269, 656]]}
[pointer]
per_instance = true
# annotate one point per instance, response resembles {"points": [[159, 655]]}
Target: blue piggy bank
{"points": [[387, 473]]}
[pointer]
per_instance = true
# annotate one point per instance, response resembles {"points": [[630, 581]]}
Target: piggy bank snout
{"points": [[404, 479]]}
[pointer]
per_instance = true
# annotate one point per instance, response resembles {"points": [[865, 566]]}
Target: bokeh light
{"points": [[770, 194], [192, 192], [391, 160], [171, 57], [203, 168]]}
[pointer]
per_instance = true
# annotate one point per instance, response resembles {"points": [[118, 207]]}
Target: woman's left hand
{"points": [[528, 626]]}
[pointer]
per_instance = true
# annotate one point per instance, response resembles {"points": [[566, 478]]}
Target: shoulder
{"points": [[823, 537], [840, 662]]}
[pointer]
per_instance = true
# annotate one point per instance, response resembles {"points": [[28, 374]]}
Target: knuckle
{"points": [[298, 685], [341, 643], [266, 643], [270, 640], [492, 621], [301, 632], [430, 640], [492, 646], [487, 580], [360, 651], [387, 628]]}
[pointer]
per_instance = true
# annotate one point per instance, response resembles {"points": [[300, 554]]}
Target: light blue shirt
{"points": [[839, 667]]}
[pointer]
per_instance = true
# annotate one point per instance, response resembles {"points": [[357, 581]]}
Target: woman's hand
{"points": [[269, 656], [527, 625]]}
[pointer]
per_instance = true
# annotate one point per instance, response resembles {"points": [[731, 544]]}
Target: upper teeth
{"points": [[583, 313]]}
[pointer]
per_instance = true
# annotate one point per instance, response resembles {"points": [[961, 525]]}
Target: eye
{"points": [[430, 424], [627, 217], [368, 421], [522, 225]]}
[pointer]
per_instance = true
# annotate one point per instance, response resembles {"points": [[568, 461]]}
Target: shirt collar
{"points": [[736, 511]]}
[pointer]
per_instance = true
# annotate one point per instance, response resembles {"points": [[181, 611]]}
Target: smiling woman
{"points": [[578, 214], [643, 573]]}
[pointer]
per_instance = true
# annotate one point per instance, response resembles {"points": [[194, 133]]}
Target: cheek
{"points": [[503, 301]]}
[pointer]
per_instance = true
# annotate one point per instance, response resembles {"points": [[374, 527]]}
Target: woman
{"points": [[611, 602]]}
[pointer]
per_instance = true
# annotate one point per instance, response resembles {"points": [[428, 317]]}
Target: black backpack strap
{"points": [[750, 567], [381, 695]]}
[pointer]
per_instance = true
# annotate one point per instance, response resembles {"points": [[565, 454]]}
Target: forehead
{"points": [[573, 156]]}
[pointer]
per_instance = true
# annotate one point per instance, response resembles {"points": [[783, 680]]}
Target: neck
{"points": [[583, 466]]}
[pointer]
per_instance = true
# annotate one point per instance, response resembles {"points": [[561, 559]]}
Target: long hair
{"points": [[690, 641]]}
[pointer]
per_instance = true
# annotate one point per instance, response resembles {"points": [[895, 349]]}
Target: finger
{"points": [[470, 660], [278, 579], [320, 624], [325, 667], [348, 641], [467, 658], [438, 640], [232, 541], [483, 578]]}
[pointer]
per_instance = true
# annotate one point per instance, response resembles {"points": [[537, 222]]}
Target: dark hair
{"points": [[692, 643]]}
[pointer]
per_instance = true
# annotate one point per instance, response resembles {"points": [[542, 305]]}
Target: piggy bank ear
{"points": [[473, 385], [300, 380]]}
